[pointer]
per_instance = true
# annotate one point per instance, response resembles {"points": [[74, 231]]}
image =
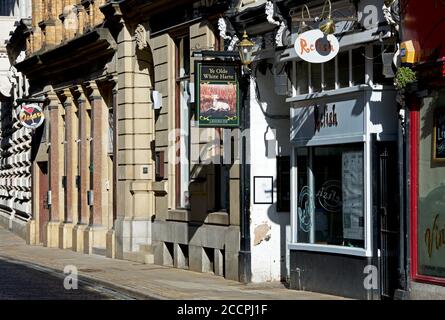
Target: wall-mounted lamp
{"points": [[246, 48], [303, 24], [327, 26]]}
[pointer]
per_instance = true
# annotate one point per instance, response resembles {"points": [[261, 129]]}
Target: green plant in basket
{"points": [[404, 76]]}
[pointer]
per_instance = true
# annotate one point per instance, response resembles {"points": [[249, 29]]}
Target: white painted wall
{"points": [[270, 256]]}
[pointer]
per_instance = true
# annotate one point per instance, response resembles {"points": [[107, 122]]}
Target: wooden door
{"points": [[43, 199]]}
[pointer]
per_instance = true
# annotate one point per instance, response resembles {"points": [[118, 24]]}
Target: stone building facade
{"points": [[166, 211], [15, 153], [70, 66], [103, 179]]}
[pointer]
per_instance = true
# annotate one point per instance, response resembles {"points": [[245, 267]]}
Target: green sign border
{"points": [[198, 70]]}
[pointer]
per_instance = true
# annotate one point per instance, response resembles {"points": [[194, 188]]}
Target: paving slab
{"points": [[144, 281]]}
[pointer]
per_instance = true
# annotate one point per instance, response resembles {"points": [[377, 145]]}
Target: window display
{"points": [[431, 212], [330, 195]]}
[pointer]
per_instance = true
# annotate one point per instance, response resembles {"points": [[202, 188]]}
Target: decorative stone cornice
{"points": [[53, 100], [88, 49], [78, 94], [93, 89], [66, 97], [112, 10]]}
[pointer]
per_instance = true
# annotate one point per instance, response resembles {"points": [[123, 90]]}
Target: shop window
{"points": [[302, 69], [343, 69], [377, 63], [222, 176], [431, 188], [159, 166], [283, 184], [315, 69], [358, 66], [330, 197], [110, 132], [183, 119], [347, 69], [329, 75]]}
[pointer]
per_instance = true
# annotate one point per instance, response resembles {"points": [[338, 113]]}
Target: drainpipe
{"points": [[245, 271], [404, 187]]}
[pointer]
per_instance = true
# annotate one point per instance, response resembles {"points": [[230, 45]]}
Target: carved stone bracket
{"points": [[271, 13], [141, 37], [224, 28]]}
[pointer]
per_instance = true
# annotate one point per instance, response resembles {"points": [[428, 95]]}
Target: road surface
{"points": [[19, 281]]}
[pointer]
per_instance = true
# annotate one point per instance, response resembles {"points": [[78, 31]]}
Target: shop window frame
{"points": [[414, 152], [294, 244], [368, 73]]}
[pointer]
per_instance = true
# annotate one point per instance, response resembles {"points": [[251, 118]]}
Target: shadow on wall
{"points": [[276, 112], [7, 7]]}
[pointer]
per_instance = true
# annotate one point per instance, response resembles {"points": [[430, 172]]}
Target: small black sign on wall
{"points": [[439, 136]]}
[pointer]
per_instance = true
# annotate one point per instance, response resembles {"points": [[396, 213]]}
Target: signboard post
{"points": [[217, 94]]}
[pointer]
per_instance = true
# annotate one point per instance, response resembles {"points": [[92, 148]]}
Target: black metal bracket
{"points": [[215, 54], [20, 101]]}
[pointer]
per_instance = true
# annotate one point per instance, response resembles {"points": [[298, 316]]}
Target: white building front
{"points": [[15, 153]]}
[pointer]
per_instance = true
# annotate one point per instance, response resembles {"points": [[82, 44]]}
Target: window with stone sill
{"points": [[347, 69], [329, 195], [183, 119]]}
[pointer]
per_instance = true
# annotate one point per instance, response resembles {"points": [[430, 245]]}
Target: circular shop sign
{"points": [[31, 116], [330, 196], [316, 47]]}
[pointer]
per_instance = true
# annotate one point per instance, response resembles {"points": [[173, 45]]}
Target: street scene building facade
{"points": [[15, 155], [424, 106], [261, 141]]}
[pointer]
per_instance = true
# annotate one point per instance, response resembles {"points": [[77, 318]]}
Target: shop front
{"points": [[427, 174], [343, 159], [345, 216], [423, 28]]}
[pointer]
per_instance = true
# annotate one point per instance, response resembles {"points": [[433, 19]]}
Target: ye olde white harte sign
{"points": [[316, 47]]}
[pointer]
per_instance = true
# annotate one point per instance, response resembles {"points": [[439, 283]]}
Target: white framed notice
{"points": [[263, 190], [353, 200]]}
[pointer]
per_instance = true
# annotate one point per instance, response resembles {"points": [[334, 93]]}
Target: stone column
{"points": [[56, 166], [71, 162], [111, 234], [81, 21], [84, 171], [99, 155], [134, 155], [37, 16]]}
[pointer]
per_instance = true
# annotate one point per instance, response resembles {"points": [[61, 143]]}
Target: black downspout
{"points": [[403, 213], [404, 191], [245, 272]]}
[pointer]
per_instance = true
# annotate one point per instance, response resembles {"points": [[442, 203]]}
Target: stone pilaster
{"points": [[99, 161], [71, 159], [111, 234], [134, 154], [56, 167], [84, 171], [81, 16]]}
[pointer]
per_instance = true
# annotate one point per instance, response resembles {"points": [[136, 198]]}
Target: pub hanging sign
{"points": [[31, 115], [217, 94]]}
